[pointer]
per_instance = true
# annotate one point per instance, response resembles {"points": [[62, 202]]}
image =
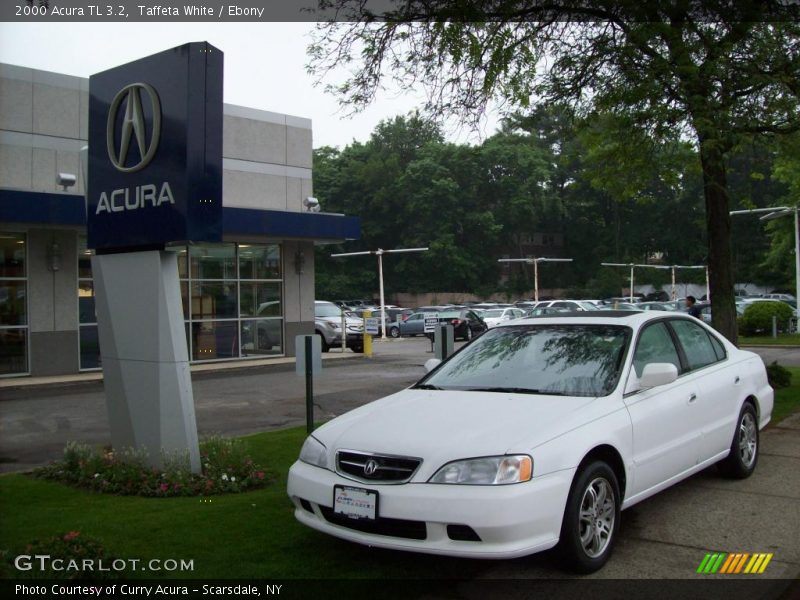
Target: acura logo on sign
{"points": [[133, 124], [370, 467]]}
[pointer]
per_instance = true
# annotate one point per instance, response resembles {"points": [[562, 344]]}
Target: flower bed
{"points": [[226, 468]]}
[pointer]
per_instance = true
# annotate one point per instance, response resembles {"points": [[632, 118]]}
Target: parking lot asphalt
{"points": [[666, 536]]}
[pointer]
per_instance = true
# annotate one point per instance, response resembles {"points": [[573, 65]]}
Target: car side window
{"points": [[655, 346], [696, 343], [719, 349]]}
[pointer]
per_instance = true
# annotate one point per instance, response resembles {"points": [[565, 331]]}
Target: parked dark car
{"points": [[466, 323]]}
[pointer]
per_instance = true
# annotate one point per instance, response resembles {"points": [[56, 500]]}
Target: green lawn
{"points": [[784, 339], [787, 400], [245, 536]]}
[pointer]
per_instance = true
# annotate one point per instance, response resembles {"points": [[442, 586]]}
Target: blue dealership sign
{"points": [[155, 151]]}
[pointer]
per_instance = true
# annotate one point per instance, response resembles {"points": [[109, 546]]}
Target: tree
{"points": [[717, 71]]}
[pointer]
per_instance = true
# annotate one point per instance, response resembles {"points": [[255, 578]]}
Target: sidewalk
{"points": [[16, 382]]}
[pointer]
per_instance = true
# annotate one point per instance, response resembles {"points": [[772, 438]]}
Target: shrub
{"points": [[757, 317], [779, 377], [226, 467]]}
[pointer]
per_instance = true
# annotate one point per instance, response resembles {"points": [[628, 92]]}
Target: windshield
{"points": [[569, 360], [493, 313], [327, 310]]}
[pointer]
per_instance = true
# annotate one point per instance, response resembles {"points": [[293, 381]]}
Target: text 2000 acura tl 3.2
{"points": [[536, 434]]}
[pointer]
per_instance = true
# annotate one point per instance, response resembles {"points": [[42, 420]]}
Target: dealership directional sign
{"points": [[155, 151]]}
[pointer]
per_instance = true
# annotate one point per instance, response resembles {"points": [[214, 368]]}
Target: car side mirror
{"points": [[431, 364], [656, 374]]}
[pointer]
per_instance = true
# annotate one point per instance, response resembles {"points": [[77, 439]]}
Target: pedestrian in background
{"points": [[692, 308]]}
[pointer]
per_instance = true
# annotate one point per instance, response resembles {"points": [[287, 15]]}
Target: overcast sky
{"points": [[264, 67]]}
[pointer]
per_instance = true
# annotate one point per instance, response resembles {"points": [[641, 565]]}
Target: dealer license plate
{"points": [[356, 503]]}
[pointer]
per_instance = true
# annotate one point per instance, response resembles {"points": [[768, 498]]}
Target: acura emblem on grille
{"points": [[370, 467]]}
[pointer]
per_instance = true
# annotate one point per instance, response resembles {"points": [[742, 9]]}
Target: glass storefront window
{"points": [[260, 299], [215, 339], [262, 336], [84, 259], [86, 312], [213, 261], [13, 351], [12, 255], [90, 347], [214, 300], [88, 340], [259, 262], [232, 297], [13, 302]]}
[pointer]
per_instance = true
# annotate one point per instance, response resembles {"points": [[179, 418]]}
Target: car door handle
{"points": [[692, 398], [736, 380]]}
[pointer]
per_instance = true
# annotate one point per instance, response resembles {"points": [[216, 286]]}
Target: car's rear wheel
{"points": [[742, 460], [468, 335], [394, 332], [591, 518]]}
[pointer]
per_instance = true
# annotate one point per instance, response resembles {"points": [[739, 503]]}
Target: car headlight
{"points": [[334, 325], [490, 470], [314, 452]]}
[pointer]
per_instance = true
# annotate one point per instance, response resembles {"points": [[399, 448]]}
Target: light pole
{"points": [[380, 252], [775, 213], [535, 262], [673, 268]]}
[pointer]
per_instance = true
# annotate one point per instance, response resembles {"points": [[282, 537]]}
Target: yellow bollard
{"points": [[367, 337]]}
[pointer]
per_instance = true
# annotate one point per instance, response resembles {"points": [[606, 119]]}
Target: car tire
{"points": [[743, 458], [468, 335], [323, 342], [591, 518], [358, 349], [394, 332]]}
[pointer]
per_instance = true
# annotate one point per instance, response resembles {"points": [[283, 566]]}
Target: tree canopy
{"points": [[713, 73]]}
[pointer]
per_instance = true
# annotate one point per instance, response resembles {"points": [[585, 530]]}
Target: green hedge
{"points": [[757, 317]]}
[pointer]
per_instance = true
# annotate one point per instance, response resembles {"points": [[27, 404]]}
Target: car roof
{"points": [[631, 318]]}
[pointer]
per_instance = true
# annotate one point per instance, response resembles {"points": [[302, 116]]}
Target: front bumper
{"points": [[511, 520]]}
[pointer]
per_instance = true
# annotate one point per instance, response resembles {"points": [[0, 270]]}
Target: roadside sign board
{"points": [[431, 321], [155, 151], [372, 325], [316, 354]]}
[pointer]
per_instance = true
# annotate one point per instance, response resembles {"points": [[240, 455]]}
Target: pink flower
{"points": [[260, 474], [71, 535], [164, 487]]}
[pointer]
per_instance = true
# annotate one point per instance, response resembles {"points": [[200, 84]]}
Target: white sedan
{"points": [[537, 434], [496, 316]]}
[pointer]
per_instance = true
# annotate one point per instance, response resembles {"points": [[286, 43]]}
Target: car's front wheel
{"points": [[741, 462], [323, 342], [394, 332], [591, 518]]}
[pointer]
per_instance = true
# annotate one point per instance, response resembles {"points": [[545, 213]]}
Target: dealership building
{"points": [[246, 297]]}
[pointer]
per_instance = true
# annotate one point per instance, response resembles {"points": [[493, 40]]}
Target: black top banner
{"points": [[164, 11]]}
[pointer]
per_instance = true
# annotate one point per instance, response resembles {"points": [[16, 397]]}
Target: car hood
{"points": [[441, 426]]}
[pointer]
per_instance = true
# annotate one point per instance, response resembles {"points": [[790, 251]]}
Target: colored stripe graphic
{"points": [[734, 563]]}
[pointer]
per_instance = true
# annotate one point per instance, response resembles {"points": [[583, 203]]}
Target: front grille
{"points": [[376, 467], [411, 530]]}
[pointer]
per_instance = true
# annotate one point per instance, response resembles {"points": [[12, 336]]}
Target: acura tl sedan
{"points": [[536, 435]]}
